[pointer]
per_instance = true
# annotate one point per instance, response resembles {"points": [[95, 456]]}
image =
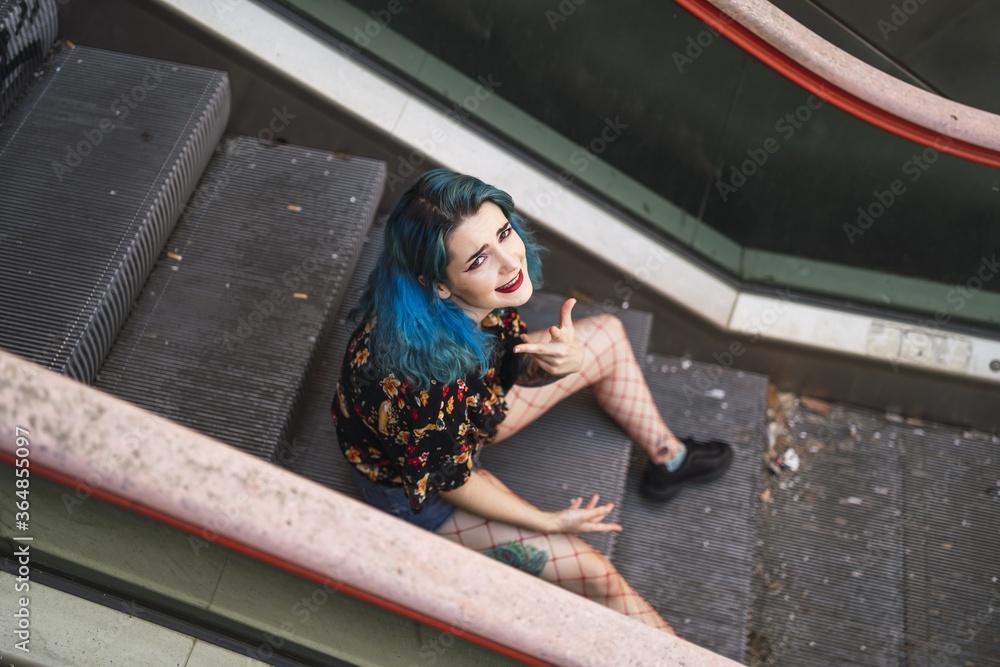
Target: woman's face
{"points": [[487, 267]]}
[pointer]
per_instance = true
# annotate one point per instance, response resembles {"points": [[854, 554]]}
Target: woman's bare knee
{"points": [[605, 322], [601, 332], [611, 323]]}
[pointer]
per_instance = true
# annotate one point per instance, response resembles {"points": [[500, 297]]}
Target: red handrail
{"points": [[69, 482], [852, 104]]}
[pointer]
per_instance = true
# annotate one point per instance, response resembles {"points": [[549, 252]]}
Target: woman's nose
{"points": [[508, 261]]}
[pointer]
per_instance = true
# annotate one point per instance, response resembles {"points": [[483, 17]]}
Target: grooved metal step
{"points": [[691, 557], [97, 159], [882, 548], [951, 546], [819, 569], [227, 326], [27, 30], [312, 450]]}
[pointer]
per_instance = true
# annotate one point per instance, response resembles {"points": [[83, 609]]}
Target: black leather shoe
{"points": [[705, 461]]}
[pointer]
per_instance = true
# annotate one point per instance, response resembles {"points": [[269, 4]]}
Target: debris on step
{"points": [[814, 446], [816, 405], [777, 440], [779, 429], [780, 404], [789, 460]]}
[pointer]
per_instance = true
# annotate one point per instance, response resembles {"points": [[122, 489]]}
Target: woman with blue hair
{"points": [[441, 364]]}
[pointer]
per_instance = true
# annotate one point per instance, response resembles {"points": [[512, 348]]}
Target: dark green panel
{"points": [[936, 222]]}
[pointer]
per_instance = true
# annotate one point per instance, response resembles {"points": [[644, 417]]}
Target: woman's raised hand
{"points": [[589, 519], [556, 349]]}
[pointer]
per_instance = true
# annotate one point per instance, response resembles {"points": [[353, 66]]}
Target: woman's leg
{"points": [[613, 374], [568, 561]]}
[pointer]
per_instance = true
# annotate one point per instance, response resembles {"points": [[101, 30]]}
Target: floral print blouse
{"points": [[425, 440]]}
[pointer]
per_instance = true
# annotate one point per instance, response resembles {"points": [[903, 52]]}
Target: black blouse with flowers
{"points": [[425, 440]]}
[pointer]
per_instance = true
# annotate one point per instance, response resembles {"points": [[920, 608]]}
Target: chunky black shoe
{"points": [[704, 462]]}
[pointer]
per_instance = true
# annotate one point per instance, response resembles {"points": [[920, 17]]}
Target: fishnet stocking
{"points": [[613, 374], [571, 562]]}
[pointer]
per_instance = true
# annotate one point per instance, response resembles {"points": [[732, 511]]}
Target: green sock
{"points": [[674, 463]]}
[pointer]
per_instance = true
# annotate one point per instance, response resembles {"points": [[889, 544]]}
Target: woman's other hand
{"points": [[556, 350], [580, 519]]}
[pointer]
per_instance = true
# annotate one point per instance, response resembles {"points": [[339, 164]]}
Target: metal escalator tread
{"points": [[227, 326], [691, 557], [881, 550], [574, 449], [27, 31], [951, 528], [89, 196], [311, 449], [824, 596]]}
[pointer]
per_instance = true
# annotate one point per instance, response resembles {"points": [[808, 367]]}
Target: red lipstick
{"points": [[513, 286]]}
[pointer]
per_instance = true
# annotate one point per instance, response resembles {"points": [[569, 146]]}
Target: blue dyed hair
{"points": [[417, 334]]}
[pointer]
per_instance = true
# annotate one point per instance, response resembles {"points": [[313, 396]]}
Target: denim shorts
{"points": [[392, 499]]}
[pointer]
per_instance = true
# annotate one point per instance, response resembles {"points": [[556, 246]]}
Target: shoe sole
{"points": [[671, 492]]}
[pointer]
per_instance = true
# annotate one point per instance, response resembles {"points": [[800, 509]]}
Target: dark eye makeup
{"points": [[504, 232]]}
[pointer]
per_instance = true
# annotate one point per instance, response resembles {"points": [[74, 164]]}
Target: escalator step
{"points": [[97, 159], [312, 449], [951, 529], [831, 553], [881, 549], [691, 558], [27, 30], [227, 326]]}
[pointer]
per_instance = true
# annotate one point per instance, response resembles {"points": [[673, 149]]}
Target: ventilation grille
{"points": [[98, 159]]}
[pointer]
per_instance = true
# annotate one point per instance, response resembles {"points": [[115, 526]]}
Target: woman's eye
{"points": [[476, 262], [505, 233]]}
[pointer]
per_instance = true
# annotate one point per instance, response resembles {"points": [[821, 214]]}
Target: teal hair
{"points": [[418, 335]]}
